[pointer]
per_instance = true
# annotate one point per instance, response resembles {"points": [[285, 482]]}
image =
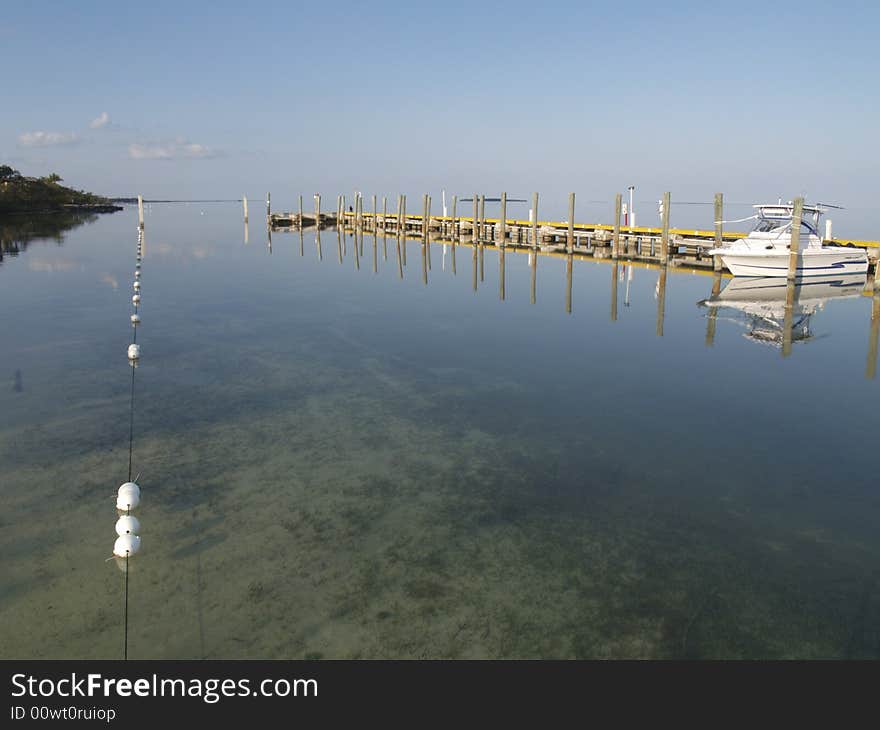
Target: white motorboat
{"points": [[761, 303], [765, 251]]}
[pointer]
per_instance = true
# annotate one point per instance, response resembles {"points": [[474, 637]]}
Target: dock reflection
{"points": [[771, 310], [779, 313]]}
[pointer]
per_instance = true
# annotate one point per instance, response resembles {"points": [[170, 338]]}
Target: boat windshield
{"points": [[766, 225]]}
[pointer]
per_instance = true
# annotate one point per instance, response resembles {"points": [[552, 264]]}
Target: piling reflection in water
{"points": [[424, 262], [614, 274], [533, 267], [871, 367], [501, 274], [712, 319], [474, 260], [661, 300]]}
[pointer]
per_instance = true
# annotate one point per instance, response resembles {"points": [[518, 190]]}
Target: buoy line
{"points": [[128, 496]]}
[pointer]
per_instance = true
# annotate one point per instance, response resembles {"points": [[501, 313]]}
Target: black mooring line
{"points": [[131, 424], [125, 614]]}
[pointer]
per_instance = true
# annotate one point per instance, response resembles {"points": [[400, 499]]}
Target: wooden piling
{"points": [[615, 239], [482, 220], [571, 222], [399, 213], [474, 222], [141, 212], [534, 221], [428, 232], [664, 236], [375, 211], [719, 217], [384, 212], [794, 248], [318, 211], [244, 205], [301, 211], [425, 216], [453, 233], [503, 222], [404, 230], [268, 205]]}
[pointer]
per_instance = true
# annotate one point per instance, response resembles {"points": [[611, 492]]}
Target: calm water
{"points": [[339, 462]]}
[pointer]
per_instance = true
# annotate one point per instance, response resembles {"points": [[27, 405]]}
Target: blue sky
{"points": [[220, 99]]}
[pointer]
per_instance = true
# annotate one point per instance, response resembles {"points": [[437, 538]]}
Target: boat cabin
{"points": [[777, 217]]}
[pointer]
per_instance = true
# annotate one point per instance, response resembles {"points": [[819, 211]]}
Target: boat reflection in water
{"points": [[777, 314]]}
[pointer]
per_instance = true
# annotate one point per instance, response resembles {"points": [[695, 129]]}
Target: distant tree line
{"points": [[20, 194]]}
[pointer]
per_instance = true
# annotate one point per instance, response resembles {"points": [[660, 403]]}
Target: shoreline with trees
{"points": [[34, 195]]}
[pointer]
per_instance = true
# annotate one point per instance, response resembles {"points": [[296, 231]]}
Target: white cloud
{"points": [[102, 120], [178, 149], [197, 151], [46, 139], [150, 152]]}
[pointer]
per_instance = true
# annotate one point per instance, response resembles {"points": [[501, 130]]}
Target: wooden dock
{"points": [[660, 245]]}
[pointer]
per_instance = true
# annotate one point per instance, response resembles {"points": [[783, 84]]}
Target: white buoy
{"points": [[126, 545], [137, 273], [134, 352], [136, 298], [128, 496], [127, 525], [135, 319], [137, 285]]}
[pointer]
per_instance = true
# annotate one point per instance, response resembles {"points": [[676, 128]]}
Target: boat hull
{"points": [[823, 262]]}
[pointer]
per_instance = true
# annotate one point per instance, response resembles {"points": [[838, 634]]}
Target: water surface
{"points": [[340, 462]]}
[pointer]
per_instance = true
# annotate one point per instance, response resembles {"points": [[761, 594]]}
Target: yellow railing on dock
{"points": [[624, 230]]}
